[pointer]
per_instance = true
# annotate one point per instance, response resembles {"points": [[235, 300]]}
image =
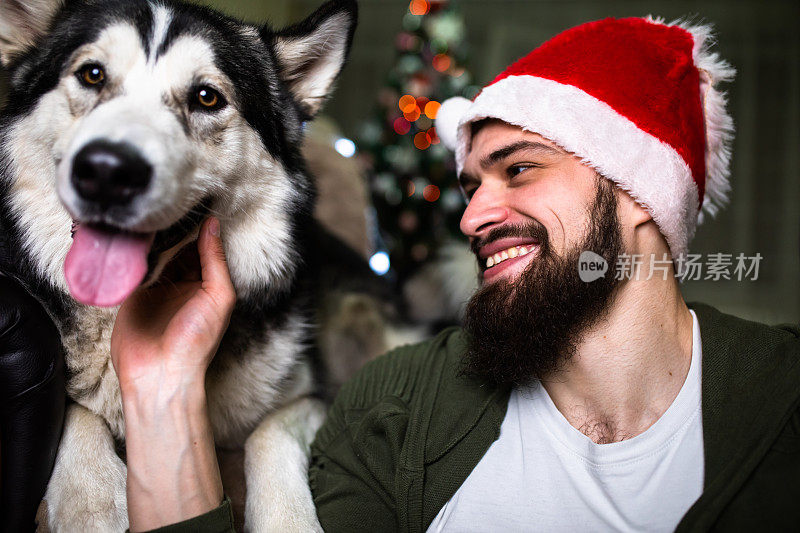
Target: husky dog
{"points": [[127, 123]]}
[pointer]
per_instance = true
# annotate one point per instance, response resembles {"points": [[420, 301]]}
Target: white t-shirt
{"points": [[542, 474]]}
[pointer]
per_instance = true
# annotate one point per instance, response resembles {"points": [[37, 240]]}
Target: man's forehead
{"points": [[492, 136], [493, 132]]}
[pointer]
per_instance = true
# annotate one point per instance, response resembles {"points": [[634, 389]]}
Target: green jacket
{"points": [[406, 432]]}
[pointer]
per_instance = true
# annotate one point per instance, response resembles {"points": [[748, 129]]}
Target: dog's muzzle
{"points": [[105, 264], [110, 174]]}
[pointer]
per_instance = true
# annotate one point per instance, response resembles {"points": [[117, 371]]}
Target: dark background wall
{"points": [[760, 38]]}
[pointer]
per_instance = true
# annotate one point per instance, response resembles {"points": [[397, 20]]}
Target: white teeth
{"points": [[510, 253]]}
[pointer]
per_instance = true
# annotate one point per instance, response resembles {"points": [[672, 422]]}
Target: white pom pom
{"points": [[447, 120]]}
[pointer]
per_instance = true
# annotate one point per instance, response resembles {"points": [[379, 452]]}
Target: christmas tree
{"points": [[412, 176]]}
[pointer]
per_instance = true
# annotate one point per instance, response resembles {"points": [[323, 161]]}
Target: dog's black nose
{"points": [[110, 173]]}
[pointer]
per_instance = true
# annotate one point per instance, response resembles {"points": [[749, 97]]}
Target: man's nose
{"points": [[485, 210]]}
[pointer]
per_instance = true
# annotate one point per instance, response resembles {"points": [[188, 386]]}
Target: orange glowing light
{"points": [[422, 141], [431, 108], [411, 189], [401, 126], [419, 7], [432, 136], [407, 103], [431, 193], [441, 62], [412, 115]]}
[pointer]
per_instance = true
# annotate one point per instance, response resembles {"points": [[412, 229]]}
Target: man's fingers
{"points": [[213, 266]]}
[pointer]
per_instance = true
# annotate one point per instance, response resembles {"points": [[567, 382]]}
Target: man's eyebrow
{"points": [[502, 153]]}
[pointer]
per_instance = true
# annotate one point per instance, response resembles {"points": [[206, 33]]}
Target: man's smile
{"points": [[507, 255], [511, 253]]}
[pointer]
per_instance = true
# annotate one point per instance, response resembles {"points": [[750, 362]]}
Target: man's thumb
{"points": [[213, 266]]}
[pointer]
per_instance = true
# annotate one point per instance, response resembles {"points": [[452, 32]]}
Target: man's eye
{"points": [[92, 76], [516, 170]]}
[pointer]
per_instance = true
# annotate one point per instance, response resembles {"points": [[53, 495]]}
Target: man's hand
{"points": [[174, 329], [163, 341]]}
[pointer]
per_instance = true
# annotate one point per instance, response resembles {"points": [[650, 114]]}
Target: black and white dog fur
{"points": [[140, 74]]}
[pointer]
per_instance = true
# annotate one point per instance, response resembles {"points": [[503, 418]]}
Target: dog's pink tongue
{"points": [[103, 268]]}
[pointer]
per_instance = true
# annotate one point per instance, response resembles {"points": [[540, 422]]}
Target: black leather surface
{"points": [[32, 398]]}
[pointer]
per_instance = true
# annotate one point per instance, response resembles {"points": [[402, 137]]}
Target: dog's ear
{"points": [[22, 22], [312, 53]]}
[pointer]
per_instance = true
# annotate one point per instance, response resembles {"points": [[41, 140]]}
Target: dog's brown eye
{"points": [[92, 75], [209, 99]]}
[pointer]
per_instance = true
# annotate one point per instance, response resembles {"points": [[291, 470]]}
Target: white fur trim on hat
{"points": [[651, 171]]}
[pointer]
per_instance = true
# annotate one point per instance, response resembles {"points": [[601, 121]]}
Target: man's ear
{"points": [[630, 210], [312, 53], [22, 23]]}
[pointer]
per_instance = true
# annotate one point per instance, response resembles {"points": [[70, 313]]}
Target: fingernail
{"points": [[213, 226]]}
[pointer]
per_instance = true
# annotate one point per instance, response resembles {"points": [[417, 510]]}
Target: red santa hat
{"points": [[636, 99]]}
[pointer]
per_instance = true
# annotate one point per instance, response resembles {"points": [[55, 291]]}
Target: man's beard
{"points": [[528, 328]]}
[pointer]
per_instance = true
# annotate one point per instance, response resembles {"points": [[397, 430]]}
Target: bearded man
{"points": [[568, 401], [567, 404]]}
